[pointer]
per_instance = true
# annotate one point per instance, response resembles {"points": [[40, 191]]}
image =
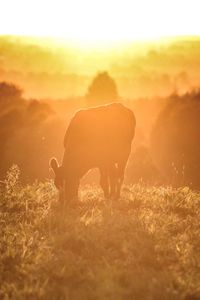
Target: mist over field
{"points": [[145, 245]]}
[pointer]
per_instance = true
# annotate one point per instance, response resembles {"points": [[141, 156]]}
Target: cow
{"points": [[98, 137]]}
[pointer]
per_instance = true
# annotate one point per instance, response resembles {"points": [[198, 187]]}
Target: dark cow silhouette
{"points": [[98, 137]]}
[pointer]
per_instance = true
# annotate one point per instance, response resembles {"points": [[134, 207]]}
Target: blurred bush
{"points": [[141, 167], [175, 140], [25, 133]]}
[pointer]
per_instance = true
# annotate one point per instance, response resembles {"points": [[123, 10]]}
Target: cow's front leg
{"points": [[70, 191]]}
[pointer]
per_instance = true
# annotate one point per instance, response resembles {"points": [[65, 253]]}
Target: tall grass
{"points": [[144, 246]]}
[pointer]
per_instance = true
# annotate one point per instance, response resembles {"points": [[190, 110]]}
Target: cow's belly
{"points": [[97, 155]]}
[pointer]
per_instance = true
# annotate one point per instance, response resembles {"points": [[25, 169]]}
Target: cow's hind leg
{"points": [[120, 175], [104, 182], [113, 179]]}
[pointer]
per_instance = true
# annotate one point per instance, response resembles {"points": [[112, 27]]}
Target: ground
{"points": [[144, 246]]}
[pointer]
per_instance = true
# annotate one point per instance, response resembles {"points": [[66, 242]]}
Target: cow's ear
{"points": [[54, 164]]}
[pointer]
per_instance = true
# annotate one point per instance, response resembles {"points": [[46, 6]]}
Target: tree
{"points": [[102, 90]]}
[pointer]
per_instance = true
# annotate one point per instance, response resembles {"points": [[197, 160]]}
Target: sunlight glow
{"points": [[100, 21]]}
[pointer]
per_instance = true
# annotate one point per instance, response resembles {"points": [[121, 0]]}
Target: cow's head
{"points": [[58, 181], [66, 192]]}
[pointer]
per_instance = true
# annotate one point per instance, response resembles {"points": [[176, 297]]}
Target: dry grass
{"points": [[145, 246]]}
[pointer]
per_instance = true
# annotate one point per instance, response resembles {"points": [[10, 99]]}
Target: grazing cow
{"points": [[98, 137]]}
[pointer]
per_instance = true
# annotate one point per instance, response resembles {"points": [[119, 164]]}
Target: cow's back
{"points": [[100, 133]]}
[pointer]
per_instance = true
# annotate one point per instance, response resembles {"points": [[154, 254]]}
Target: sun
{"points": [[100, 21]]}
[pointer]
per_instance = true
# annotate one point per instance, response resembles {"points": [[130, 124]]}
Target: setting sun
{"points": [[100, 21]]}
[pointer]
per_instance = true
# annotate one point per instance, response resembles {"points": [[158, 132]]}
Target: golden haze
{"points": [[58, 69]]}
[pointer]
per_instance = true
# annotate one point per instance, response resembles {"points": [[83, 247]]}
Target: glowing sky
{"points": [[100, 20]]}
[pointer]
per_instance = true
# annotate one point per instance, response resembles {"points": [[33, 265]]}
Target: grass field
{"points": [[145, 246]]}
